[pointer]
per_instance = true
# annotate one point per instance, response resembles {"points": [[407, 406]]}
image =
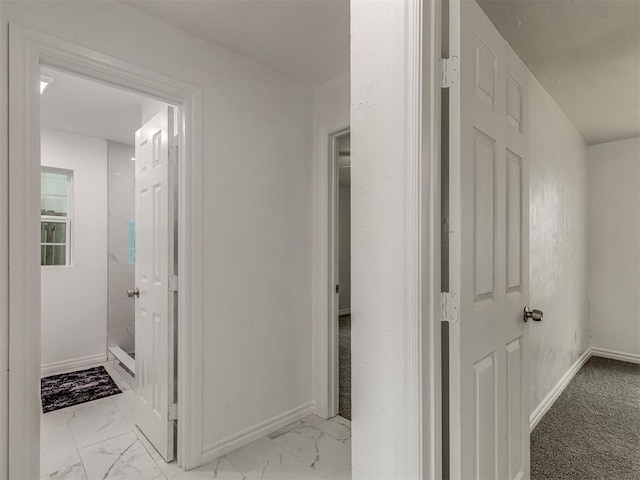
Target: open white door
{"points": [[489, 252], [154, 327]]}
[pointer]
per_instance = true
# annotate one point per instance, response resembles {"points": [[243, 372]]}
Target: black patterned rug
{"points": [[67, 389]]}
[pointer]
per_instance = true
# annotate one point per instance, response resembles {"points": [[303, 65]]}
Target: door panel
{"points": [[489, 211], [154, 325], [514, 409]]}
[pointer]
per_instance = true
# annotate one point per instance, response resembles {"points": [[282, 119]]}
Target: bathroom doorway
{"points": [[99, 147]]}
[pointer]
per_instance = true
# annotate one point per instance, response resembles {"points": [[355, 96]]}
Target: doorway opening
{"points": [[342, 155], [31, 51], [100, 240]]}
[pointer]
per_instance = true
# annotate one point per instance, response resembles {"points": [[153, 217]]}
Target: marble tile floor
{"points": [[98, 440]]}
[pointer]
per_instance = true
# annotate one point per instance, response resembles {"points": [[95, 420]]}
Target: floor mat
{"points": [[67, 389], [592, 431]]}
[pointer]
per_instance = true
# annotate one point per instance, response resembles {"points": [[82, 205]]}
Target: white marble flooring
{"points": [[98, 440]]}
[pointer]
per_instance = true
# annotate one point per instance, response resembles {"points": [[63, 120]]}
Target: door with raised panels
{"points": [[154, 323], [489, 252]]}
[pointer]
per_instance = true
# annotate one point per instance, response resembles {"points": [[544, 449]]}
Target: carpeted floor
{"points": [[592, 432], [67, 389], [344, 366]]}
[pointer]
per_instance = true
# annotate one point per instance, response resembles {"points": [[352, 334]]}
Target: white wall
{"points": [[614, 245], [121, 309], [344, 248], [257, 201], [74, 299], [558, 243], [378, 91], [332, 102]]}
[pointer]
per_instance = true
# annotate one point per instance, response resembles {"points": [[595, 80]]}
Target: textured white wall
{"points": [[74, 299], [378, 91], [121, 309], [257, 201], [558, 243], [614, 245], [332, 101]]}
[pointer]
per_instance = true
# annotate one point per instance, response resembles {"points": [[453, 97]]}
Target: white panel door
{"points": [[154, 325], [489, 248]]}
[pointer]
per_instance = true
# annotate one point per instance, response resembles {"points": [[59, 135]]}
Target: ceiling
{"points": [[307, 40], [585, 53], [76, 105]]}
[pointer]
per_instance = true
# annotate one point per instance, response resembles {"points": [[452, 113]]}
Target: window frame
{"points": [[66, 219]]}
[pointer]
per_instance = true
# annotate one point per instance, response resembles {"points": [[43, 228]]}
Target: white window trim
{"points": [[67, 219]]}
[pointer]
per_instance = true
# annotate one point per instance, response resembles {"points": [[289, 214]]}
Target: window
{"points": [[55, 220]]}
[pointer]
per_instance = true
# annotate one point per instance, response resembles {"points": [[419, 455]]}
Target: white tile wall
{"points": [[120, 325]]}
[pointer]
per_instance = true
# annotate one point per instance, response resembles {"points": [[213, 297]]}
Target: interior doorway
{"points": [[343, 287], [108, 202], [30, 51]]}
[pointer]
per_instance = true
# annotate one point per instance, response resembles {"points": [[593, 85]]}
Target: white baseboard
{"points": [[57, 367], [229, 444], [346, 311], [555, 392], [613, 355]]}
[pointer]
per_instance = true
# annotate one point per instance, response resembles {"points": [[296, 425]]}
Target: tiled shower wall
{"points": [[120, 323]]}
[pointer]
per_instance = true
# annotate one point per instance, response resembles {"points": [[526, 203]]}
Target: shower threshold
{"points": [[126, 360]]}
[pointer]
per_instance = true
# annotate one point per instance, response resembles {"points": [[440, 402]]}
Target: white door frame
{"points": [[28, 50], [420, 318], [423, 263]]}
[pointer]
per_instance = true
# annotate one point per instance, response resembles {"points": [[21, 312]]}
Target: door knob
{"points": [[535, 315], [133, 293]]}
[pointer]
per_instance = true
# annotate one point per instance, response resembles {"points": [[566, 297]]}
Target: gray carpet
{"points": [[593, 430], [344, 366]]}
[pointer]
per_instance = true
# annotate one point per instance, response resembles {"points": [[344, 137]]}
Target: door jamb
{"points": [[28, 50], [422, 419], [430, 276]]}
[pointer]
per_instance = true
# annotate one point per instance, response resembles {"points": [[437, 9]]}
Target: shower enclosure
{"points": [[121, 308]]}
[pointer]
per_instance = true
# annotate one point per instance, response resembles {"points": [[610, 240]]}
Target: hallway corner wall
{"points": [[558, 244], [331, 110], [614, 246]]}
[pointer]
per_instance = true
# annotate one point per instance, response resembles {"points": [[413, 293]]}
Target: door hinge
{"points": [[173, 412], [449, 72], [337, 288], [450, 307], [173, 283], [173, 154]]}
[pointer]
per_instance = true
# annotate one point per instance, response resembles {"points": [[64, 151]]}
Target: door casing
{"points": [[29, 49]]}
